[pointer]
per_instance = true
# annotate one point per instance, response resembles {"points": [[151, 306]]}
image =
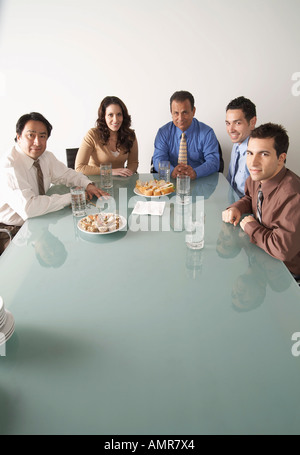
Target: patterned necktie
{"points": [[40, 178], [182, 157], [236, 166], [260, 198]]}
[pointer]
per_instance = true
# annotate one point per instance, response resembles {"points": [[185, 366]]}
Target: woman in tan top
{"points": [[112, 141]]}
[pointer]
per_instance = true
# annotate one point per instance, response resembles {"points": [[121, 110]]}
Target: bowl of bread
{"points": [[153, 188]]}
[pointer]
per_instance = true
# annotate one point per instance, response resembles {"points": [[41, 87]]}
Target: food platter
{"points": [[138, 193], [101, 223], [153, 188]]}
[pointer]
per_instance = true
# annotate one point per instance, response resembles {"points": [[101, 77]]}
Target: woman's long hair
{"points": [[126, 135]]}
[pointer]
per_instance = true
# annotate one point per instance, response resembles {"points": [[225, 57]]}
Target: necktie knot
{"points": [[40, 177], [182, 156]]}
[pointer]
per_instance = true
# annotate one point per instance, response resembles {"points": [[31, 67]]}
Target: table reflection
{"points": [[49, 249], [249, 288]]}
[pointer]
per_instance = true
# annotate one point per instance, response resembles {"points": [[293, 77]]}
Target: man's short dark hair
{"points": [[32, 116], [277, 132], [181, 96], [246, 105]]}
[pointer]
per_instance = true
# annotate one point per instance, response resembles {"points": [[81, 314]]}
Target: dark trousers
{"points": [[7, 233]]}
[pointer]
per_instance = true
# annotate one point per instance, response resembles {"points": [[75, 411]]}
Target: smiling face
{"points": [[262, 160], [237, 126], [114, 117], [33, 139], [182, 114]]}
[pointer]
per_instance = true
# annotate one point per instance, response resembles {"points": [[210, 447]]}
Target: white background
{"points": [[62, 57]]}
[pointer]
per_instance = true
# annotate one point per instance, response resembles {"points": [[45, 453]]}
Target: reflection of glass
{"points": [[194, 237], [185, 214], [194, 263], [183, 188]]}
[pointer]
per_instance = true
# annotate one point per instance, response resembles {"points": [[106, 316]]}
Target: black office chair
{"points": [[221, 168], [152, 170], [71, 157], [297, 278], [3, 239]]}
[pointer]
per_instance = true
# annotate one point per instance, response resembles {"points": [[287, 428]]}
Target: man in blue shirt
{"points": [[240, 121], [201, 142]]}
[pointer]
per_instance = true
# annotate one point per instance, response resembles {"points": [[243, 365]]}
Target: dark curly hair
{"points": [[277, 132], [126, 135], [246, 105]]}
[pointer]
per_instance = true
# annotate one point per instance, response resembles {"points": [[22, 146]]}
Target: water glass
{"points": [[194, 237], [106, 180], [164, 171], [78, 201], [183, 185]]}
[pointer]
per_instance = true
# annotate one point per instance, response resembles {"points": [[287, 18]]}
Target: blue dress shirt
{"points": [[238, 181], [202, 147]]}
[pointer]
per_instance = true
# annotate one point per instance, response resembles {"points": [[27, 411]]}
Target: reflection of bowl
{"points": [[118, 235]]}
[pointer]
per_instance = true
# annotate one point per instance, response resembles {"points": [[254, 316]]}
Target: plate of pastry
{"points": [[101, 223]]}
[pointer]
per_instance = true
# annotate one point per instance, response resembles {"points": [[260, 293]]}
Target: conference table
{"points": [[133, 333]]}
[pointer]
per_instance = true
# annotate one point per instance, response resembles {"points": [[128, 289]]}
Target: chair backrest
{"points": [[71, 156], [5, 240], [152, 170], [221, 168]]}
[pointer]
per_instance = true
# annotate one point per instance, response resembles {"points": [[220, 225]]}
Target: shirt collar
{"points": [[187, 132], [28, 162], [243, 146], [270, 185]]}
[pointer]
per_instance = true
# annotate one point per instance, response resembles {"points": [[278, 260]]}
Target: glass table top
{"points": [[134, 333]]}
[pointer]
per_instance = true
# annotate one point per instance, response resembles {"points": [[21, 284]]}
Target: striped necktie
{"points": [[40, 178], [260, 198], [236, 166], [182, 157]]}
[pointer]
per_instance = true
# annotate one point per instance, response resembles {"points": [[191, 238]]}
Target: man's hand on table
{"points": [[93, 190], [184, 169], [231, 215], [246, 220]]}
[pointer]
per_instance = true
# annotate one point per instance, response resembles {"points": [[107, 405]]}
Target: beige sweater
{"points": [[91, 154]]}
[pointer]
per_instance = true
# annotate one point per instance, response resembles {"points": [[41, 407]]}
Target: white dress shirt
{"points": [[19, 193]]}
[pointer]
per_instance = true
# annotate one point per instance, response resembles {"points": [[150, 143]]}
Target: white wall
{"points": [[61, 57]]}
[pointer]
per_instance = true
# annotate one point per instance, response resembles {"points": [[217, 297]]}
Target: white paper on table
{"points": [[149, 208]]}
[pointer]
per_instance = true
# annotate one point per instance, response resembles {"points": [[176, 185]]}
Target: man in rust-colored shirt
{"points": [[272, 197]]}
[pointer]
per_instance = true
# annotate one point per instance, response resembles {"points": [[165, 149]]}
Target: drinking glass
{"points": [[164, 171], [78, 200], [106, 180]]}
